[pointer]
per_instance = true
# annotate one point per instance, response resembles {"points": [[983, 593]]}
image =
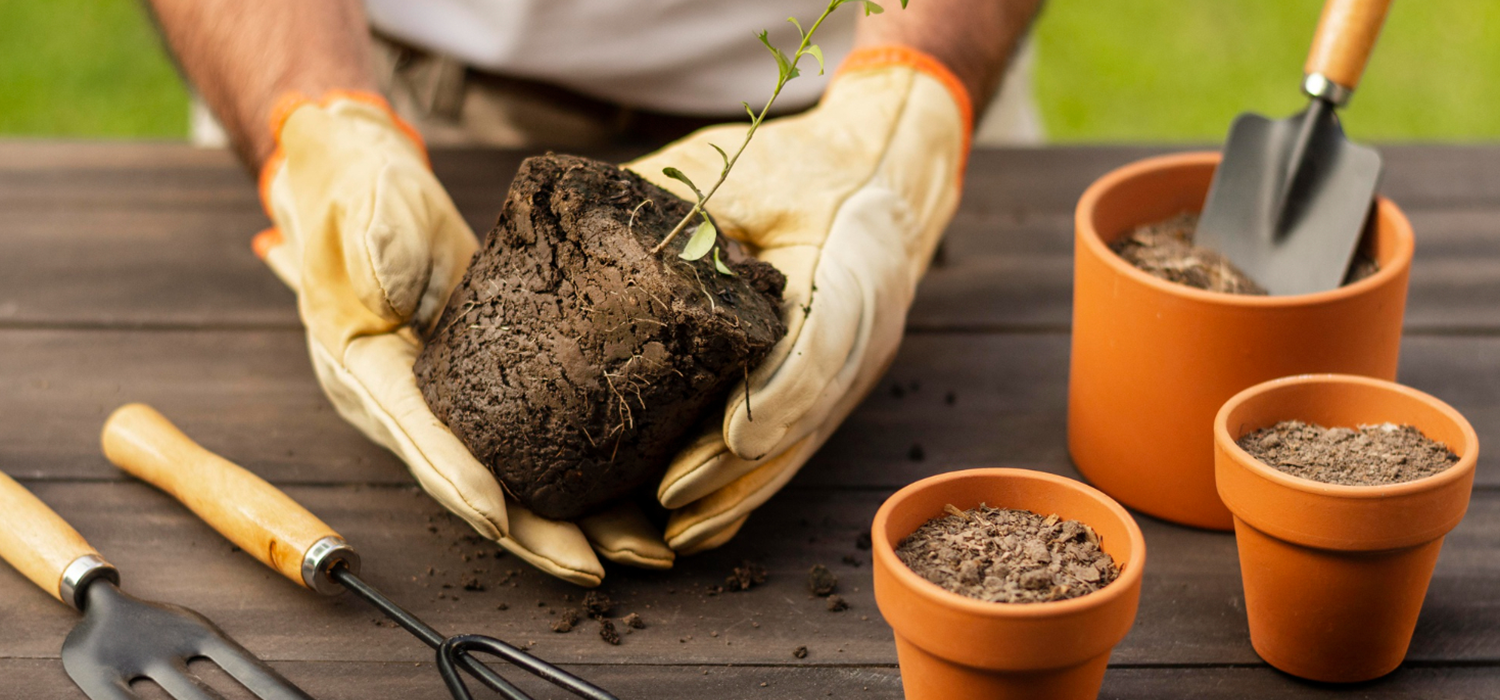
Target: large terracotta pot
{"points": [[1153, 360], [1335, 575], [955, 648]]}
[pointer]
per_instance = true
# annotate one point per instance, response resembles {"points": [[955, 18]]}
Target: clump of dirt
{"points": [[608, 633], [1165, 250], [821, 581], [597, 604], [573, 361], [800, 652], [1368, 456], [633, 621], [836, 603], [1005, 555], [565, 621], [745, 576]]}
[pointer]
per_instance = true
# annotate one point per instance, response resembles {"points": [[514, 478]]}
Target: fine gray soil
{"points": [[1165, 250], [1370, 456], [1008, 556], [571, 360]]}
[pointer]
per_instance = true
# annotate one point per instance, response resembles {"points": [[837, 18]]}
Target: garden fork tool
{"points": [[1289, 201], [283, 535], [121, 638]]}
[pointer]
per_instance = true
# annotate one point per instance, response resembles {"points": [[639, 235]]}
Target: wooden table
{"points": [[126, 275]]}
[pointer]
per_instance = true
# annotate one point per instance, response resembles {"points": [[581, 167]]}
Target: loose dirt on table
{"points": [[1368, 456], [1165, 250], [573, 361], [821, 581], [1005, 555]]}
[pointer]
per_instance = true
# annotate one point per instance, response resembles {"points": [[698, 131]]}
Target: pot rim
{"points": [[1083, 222], [1127, 581], [1460, 470]]}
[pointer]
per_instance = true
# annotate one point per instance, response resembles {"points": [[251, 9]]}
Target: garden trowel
{"points": [[1289, 200]]}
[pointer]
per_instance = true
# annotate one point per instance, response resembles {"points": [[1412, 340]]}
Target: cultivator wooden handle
{"points": [[39, 543], [242, 506], [1346, 35]]}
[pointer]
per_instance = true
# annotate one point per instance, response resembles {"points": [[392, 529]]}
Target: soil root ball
{"points": [[573, 361]]}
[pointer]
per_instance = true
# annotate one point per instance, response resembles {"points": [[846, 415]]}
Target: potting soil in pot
{"points": [[1004, 555], [572, 360], [1369, 456], [1165, 250]]}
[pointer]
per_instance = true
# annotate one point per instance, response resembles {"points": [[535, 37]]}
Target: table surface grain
{"points": [[126, 275]]}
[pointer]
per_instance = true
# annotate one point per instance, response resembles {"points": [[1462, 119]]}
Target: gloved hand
{"points": [[848, 200], [372, 245]]}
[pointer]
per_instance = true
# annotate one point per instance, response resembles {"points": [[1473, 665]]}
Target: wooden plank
{"points": [[251, 396], [36, 679], [44, 680], [1192, 608], [137, 236]]}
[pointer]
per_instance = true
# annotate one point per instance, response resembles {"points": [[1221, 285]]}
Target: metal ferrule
{"points": [[1319, 86], [320, 559], [79, 573]]}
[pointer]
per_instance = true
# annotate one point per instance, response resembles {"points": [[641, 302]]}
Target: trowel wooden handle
{"points": [[244, 508], [1346, 35], [36, 540]]}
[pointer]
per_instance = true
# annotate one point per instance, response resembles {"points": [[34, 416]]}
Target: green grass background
{"points": [[1106, 70]]}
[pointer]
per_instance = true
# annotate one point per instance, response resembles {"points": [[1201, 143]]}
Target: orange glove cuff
{"points": [[289, 102], [895, 55]]}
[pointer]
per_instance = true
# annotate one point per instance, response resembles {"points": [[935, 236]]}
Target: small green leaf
{"points": [[703, 239], [798, 25], [749, 111], [874, 8], [903, 4], [816, 53], [719, 264], [723, 155], [785, 70], [678, 175]]}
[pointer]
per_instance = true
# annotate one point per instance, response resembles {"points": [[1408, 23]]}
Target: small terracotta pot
{"points": [[1334, 575], [1153, 360], [952, 647]]}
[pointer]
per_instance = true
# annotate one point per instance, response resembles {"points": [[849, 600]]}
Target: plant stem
{"points": [[754, 124]]}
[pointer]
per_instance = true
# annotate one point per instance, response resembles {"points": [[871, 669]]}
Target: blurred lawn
{"points": [[86, 68], [1180, 70], [1115, 70]]}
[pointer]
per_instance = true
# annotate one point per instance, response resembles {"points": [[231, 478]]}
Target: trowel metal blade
{"points": [[1293, 233]]}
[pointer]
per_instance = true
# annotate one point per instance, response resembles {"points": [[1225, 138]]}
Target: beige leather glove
{"points": [[372, 245], [849, 201]]}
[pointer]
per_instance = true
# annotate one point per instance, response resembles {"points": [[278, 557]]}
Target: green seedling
{"points": [[702, 239]]}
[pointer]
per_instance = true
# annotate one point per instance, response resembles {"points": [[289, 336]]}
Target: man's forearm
{"points": [[243, 55], [973, 38]]}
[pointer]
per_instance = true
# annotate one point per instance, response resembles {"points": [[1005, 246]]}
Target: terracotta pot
{"points": [[953, 647], [1153, 360], [1334, 575]]}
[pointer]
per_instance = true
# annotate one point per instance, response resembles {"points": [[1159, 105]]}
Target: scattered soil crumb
{"points": [[596, 604], [1004, 555], [470, 582], [916, 453], [565, 621], [607, 632], [851, 560], [1371, 455], [745, 576], [1165, 250], [800, 652], [836, 603], [633, 621], [862, 541], [502, 606], [821, 581]]}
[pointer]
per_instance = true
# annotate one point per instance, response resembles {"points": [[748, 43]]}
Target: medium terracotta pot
{"points": [[952, 648], [1153, 361], [1334, 575]]}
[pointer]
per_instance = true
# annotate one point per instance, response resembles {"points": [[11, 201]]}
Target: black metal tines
{"points": [[453, 652]]}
